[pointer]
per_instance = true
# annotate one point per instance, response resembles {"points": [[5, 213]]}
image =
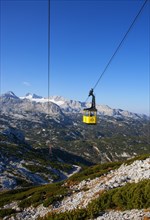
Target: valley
{"points": [[118, 134], [46, 147]]}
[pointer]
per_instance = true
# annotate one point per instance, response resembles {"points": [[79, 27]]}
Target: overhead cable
{"points": [[48, 70], [120, 44]]}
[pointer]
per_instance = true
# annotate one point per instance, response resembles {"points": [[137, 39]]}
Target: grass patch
{"points": [[5, 212], [35, 195], [101, 169], [139, 157], [130, 196], [93, 172], [127, 197]]}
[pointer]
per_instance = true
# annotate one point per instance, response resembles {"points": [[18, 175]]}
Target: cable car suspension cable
{"points": [[120, 44], [49, 142], [48, 56]]}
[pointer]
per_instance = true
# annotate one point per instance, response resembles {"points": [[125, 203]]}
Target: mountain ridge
{"points": [[115, 136], [73, 106], [43, 142]]}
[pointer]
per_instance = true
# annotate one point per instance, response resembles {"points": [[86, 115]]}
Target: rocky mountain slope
{"points": [[96, 193], [117, 135], [72, 106], [44, 141], [21, 165]]}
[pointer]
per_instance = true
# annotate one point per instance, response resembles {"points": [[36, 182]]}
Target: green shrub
{"points": [[78, 214], [94, 171], [48, 201], [34, 199], [5, 212], [130, 196], [35, 195], [139, 157]]}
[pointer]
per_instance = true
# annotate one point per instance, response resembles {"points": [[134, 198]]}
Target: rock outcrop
{"points": [[87, 190]]}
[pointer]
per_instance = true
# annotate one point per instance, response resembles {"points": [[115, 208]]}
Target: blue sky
{"points": [[84, 35]]}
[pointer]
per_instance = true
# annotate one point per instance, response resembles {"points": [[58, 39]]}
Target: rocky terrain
{"points": [[118, 134], [72, 106], [81, 194], [21, 165], [58, 104], [43, 141]]}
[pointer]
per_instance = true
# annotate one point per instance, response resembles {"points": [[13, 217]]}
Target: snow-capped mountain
{"points": [[57, 120], [9, 95], [11, 104], [72, 106], [32, 96]]}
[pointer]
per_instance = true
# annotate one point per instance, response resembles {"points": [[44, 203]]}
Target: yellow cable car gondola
{"points": [[90, 114]]}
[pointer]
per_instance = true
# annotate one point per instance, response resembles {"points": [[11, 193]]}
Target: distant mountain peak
{"points": [[72, 106], [10, 94], [58, 98], [33, 96]]}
